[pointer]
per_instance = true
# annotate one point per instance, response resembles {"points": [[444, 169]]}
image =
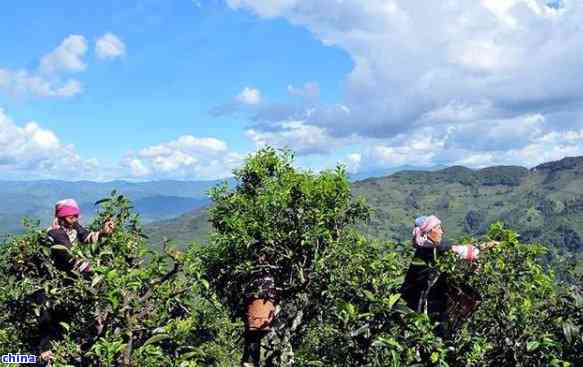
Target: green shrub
{"points": [[155, 308]]}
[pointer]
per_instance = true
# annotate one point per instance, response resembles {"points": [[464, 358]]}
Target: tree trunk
{"points": [[276, 347]]}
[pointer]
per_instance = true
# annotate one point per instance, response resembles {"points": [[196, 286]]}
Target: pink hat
{"points": [[67, 207]]}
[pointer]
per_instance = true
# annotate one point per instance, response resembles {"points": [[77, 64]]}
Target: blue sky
{"points": [[185, 89]]}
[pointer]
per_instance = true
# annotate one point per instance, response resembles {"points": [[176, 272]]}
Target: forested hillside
{"points": [[544, 204]]}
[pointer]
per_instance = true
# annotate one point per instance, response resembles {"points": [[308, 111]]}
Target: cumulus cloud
{"points": [[502, 134], [248, 99], [187, 157], [22, 82], [137, 167], [30, 151], [413, 58], [109, 46], [474, 146], [68, 56], [48, 80], [485, 79], [302, 138], [544, 148], [35, 152], [418, 149]]}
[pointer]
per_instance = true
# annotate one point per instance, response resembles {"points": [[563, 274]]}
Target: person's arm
{"points": [[488, 245], [466, 252], [472, 252], [86, 236]]}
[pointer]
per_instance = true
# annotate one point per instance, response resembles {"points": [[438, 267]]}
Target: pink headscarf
{"points": [[423, 225], [65, 208]]}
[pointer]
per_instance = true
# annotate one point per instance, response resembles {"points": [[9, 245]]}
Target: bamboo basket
{"points": [[260, 313], [462, 302]]}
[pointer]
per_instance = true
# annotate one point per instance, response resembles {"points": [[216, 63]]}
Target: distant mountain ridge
{"points": [[359, 176], [543, 204], [154, 200]]}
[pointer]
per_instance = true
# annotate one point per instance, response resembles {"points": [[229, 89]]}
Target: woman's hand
{"points": [[48, 357], [82, 266], [488, 245], [108, 227]]}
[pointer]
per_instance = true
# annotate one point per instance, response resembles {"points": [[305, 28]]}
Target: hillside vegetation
{"points": [[337, 291], [544, 204]]}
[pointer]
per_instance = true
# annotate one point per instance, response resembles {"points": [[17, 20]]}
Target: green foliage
{"points": [[364, 322], [283, 221], [526, 318], [137, 307], [354, 315], [339, 300]]}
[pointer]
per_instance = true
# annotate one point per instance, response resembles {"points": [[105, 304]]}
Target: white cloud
{"points": [[31, 151], [458, 112], [35, 152], [249, 96], [109, 46], [248, 99], [544, 148], [47, 81], [138, 168], [69, 89], [187, 157], [517, 141], [418, 150], [352, 162], [499, 134], [296, 135], [482, 79], [21, 82], [68, 56]]}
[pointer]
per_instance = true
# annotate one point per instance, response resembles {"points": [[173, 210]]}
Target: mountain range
{"points": [[154, 200], [544, 204]]}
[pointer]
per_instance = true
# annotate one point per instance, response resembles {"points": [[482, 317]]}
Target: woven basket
{"points": [[260, 314], [462, 302]]}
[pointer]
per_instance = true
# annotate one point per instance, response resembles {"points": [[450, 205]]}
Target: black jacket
{"points": [[424, 282], [64, 260]]}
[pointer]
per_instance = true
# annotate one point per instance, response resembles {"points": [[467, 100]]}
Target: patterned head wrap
{"points": [[65, 208], [423, 225]]}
